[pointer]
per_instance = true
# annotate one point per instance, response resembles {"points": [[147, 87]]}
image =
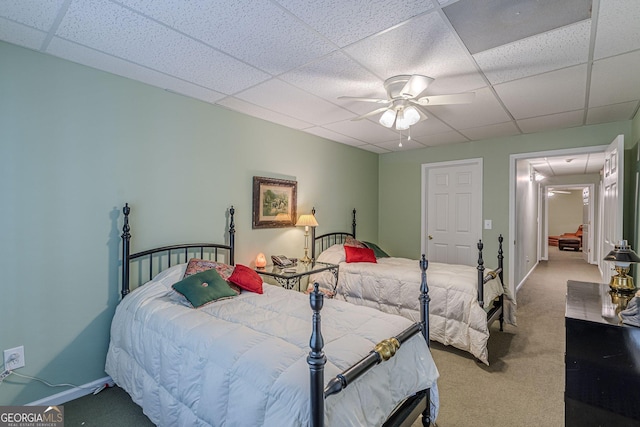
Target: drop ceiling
{"points": [[534, 65]]}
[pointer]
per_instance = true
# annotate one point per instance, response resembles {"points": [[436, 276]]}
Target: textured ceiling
{"points": [[534, 65]]}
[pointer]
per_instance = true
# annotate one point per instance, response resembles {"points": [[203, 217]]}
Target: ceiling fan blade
{"points": [[357, 98], [370, 113], [458, 98], [416, 85]]}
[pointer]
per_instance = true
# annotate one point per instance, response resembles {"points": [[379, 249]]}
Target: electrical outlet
{"points": [[14, 358]]}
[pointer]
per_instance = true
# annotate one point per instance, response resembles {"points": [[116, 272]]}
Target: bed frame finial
{"points": [[316, 359], [480, 275], [126, 237], [232, 235], [424, 299], [353, 224]]}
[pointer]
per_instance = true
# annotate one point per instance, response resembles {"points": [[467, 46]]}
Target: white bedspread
{"points": [[242, 361], [392, 285]]}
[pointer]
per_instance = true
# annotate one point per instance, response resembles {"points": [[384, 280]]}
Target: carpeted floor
{"points": [[523, 386], [524, 383]]}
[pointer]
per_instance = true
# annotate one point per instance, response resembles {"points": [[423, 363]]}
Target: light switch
{"points": [[487, 224]]}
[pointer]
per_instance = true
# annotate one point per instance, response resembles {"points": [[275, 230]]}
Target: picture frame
{"points": [[274, 202]]}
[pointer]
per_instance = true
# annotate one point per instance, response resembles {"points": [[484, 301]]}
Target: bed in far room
{"points": [[465, 300], [203, 342]]}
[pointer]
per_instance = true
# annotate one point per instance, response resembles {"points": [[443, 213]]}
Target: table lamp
{"points": [[622, 257], [307, 221], [261, 261]]}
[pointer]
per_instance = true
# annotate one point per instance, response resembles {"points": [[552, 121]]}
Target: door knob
{"points": [[430, 237]]}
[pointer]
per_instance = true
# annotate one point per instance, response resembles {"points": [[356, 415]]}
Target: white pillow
{"points": [[333, 255]]}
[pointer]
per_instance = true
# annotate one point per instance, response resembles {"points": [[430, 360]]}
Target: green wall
{"points": [[77, 143], [400, 180]]}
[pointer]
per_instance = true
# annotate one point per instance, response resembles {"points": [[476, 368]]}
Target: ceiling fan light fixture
{"points": [[401, 121], [387, 118]]}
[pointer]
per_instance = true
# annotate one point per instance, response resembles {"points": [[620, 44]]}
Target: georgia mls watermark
{"points": [[31, 416]]}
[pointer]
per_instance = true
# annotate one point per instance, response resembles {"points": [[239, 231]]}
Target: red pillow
{"points": [[246, 278], [359, 254]]}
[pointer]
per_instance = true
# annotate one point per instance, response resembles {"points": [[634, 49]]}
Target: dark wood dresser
{"points": [[602, 360]]}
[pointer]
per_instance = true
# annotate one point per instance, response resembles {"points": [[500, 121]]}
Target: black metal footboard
{"points": [[383, 351], [496, 312]]}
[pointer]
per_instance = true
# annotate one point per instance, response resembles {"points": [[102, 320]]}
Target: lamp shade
{"points": [[307, 220], [622, 255]]}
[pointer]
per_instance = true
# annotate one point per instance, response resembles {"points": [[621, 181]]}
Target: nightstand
{"points": [[291, 279]]}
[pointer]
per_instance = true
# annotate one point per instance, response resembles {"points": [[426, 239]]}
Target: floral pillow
{"points": [[351, 241], [197, 265]]}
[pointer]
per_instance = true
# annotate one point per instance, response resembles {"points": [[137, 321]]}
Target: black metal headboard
{"points": [[165, 254], [324, 241]]}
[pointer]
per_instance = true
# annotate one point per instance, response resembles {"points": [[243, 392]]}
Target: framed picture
{"points": [[274, 202]]}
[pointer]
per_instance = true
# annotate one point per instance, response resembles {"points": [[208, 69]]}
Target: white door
{"points": [[612, 203], [452, 213]]}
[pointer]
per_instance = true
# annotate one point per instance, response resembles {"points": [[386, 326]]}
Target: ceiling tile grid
{"points": [[534, 65]]}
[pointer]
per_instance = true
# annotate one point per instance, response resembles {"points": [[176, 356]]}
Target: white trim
{"points": [[425, 189], [72, 394], [524, 279], [513, 158]]}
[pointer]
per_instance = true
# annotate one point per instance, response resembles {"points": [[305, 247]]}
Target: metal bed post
{"points": [[126, 237], [501, 276], [313, 237], [480, 275], [353, 224], [424, 320], [232, 236], [316, 360]]}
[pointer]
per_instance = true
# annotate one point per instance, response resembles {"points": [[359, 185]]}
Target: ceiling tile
{"points": [[612, 113], [259, 33], [345, 22], [515, 19], [615, 80], [244, 107], [364, 130], [337, 75], [118, 31], [395, 145], [553, 92], [430, 126], [551, 122], [618, 30], [538, 54], [279, 96], [498, 130], [21, 34], [92, 58], [424, 45], [484, 110], [334, 136], [441, 138], [37, 14]]}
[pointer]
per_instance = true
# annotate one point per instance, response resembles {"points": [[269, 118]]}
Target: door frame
{"points": [[544, 253], [513, 159], [425, 196]]}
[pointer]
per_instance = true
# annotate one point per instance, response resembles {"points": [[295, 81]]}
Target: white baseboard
{"points": [[71, 394], [524, 279]]}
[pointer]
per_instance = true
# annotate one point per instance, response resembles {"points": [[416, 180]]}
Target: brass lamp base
{"points": [[305, 259], [621, 282]]}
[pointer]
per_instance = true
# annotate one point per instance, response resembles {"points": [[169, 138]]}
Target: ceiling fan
{"points": [[403, 105]]}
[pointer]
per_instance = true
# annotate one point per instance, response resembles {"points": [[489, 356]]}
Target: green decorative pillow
{"points": [[376, 250], [204, 287]]}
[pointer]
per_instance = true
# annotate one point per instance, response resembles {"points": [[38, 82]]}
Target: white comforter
{"points": [[392, 285], [242, 361]]}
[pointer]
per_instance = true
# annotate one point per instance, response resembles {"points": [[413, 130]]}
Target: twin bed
{"points": [[261, 358], [465, 300]]}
